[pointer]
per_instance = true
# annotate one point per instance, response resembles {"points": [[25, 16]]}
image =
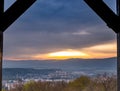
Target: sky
{"points": [[59, 29]]}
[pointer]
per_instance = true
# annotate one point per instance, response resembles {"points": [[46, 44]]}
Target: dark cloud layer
{"points": [[57, 24]]}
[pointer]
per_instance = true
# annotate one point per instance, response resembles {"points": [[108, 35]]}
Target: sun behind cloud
{"points": [[67, 54], [97, 51], [63, 54]]}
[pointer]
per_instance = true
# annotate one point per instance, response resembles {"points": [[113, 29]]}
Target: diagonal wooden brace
{"points": [[14, 12], [104, 12]]}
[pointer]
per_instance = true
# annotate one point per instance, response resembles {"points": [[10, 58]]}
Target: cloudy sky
{"points": [[58, 29]]}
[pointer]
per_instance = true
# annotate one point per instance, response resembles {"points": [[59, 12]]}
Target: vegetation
{"points": [[83, 83]]}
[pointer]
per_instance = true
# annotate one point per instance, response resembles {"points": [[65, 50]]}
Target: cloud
{"points": [[55, 25]]}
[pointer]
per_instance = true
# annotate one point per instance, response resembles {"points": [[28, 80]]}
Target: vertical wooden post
{"points": [[118, 48], [1, 6], [7, 18], [1, 41], [1, 55], [118, 61]]}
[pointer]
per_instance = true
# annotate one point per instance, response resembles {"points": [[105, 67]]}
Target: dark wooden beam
{"points": [[1, 42], [7, 18], [1, 10], [104, 12], [118, 48], [14, 12], [1, 57], [1, 6]]}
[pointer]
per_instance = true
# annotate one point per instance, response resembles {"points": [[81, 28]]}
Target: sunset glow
{"points": [[98, 51], [67, 54], [102, 51]]}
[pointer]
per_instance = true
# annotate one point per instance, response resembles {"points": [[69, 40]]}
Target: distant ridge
{"points": [[60, 64], [80, 59], [72, 66]]}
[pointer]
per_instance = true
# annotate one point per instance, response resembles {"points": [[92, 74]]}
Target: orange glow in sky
{"points": [[98, 51], [67, 54], [102, 51], [60, 55]]}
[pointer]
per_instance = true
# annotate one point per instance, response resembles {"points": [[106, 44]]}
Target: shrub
{"points": [[83, 83]]}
